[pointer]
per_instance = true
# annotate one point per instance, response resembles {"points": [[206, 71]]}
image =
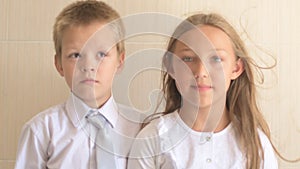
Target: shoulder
{"points": [[47, 115], [270, 159], [159, 125], [149, 142], [46, 119], [265, 142]]}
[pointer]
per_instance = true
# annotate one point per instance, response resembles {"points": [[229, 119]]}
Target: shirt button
{"points": [[208, 138], [208, 160]]}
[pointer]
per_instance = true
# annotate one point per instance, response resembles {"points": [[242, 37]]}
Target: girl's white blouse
{"points": [[168, 143]]}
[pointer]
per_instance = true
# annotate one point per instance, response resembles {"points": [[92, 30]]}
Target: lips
{"points": [[89, 81], [202, 87]]}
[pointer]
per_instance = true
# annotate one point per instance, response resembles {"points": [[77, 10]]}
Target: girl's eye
{"points": [[216, 59], [187, 59], [101, 54], [75, 55]]}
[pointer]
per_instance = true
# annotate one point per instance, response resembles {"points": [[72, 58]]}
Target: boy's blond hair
{"points": [[83, 13]]}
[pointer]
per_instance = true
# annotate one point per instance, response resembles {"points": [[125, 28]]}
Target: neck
{"points": [[95, 103], [211, 124], [205, 119]]}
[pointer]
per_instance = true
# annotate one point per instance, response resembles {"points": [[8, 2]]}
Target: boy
{"points": [[87, 131]]}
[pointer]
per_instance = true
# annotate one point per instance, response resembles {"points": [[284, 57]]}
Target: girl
{"points": [[211, 119]]}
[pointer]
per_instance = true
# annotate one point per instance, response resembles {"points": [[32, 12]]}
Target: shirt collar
{"points": [[77, 110], [110, 111]]}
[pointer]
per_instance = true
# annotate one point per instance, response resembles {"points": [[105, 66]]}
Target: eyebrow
{"points": [[186, 49], [219, 50]]}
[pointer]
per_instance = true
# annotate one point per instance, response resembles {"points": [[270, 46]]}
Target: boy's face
{"points": [[89, 61]]}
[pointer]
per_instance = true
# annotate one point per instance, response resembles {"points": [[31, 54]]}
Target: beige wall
{"points": [[29, 82]]}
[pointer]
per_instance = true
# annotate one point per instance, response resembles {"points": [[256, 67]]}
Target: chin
{"points": [[204, 104], [85, 94]]}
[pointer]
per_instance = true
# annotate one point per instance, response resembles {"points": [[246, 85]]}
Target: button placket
{"points": [[208, 138], [208, 160], [209, 142]]}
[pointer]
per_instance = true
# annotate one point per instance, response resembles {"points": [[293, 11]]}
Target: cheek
{"points": [[68, 70], [70, 78], [106, 71], [220, 77], [228, 73], [183, 77]]}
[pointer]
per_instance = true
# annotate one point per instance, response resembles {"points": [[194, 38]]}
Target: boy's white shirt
{"points": [[59, 136], [168, 143]]}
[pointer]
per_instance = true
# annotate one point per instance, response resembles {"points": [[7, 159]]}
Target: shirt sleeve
{"points": [[270, 159], [31, 152], [144, 151]]}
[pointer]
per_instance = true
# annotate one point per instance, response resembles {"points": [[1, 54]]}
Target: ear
{"points": [[57, 62], [238, 69], [121, 61]]}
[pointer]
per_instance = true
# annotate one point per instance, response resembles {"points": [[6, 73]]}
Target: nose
{"points": [[200, 70], [86, 69], [87, 64]]}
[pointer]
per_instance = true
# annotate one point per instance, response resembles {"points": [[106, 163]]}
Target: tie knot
{"points": [[96, 119]]}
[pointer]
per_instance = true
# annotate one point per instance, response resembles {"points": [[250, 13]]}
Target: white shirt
{"points": [[168, 143], [59, 137]]}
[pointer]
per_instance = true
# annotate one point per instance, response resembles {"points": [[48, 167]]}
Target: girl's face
{"points": [[205, 65]]}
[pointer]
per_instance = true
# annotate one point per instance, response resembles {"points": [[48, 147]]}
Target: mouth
{"points": [[202, 87], [89, 81]]}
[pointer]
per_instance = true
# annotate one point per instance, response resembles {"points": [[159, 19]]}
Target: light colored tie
{"points": [[104, 146]]}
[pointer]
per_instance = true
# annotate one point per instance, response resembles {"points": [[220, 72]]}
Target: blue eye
{"points": [[216, 59], [187, 59], [101, 54]]}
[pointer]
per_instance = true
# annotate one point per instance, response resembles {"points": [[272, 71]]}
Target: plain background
{"points": [[29, 82]]}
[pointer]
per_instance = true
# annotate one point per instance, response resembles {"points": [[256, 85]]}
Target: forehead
{"points": [[217, 37], [204, 39], [75, 32], [85, 35]]}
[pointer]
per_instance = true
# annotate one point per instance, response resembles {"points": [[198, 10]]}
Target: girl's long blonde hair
{"points": [[241, 104]]}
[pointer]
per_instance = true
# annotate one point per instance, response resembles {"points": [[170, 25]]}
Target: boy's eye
{"points": [[187, 59], [75, 55], [101, 54]]}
